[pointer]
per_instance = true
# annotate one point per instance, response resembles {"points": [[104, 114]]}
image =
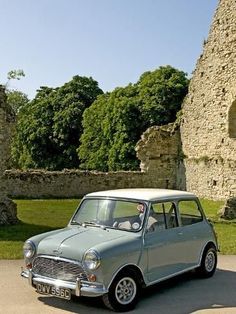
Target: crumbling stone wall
{"points": [[7, 207], [160, 153], [211, 178], [73, 183], [207, 140], [208, 128]]}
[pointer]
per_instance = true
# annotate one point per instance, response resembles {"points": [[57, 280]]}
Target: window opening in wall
{"points": [[232, 120]]}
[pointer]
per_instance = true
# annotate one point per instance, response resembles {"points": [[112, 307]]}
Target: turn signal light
{"points": [[92, 277], [29, 265]]}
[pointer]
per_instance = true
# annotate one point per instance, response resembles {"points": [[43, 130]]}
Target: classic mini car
{"points": [[120, 241]]}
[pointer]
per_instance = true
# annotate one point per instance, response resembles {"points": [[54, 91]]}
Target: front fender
{"points": [[114, 258]]}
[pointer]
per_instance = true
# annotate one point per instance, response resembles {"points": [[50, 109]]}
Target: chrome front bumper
{"points": [[78, 288]]}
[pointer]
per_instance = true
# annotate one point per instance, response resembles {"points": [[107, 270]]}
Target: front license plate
{"points": [[54, 291]]}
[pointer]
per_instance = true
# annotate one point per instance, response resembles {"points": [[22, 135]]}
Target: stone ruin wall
{"points": [[201, 156], [73, 183], [160, 153], [208, 128], [211, 178]]}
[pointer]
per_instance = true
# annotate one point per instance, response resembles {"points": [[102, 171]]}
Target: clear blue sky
{"points": [[114, 41]]}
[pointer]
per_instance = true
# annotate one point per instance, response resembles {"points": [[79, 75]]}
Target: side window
{"points": [[126, 209], [162, 216], [189, 212]]}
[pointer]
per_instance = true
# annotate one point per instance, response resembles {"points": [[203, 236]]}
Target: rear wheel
{"points": [[208, 263], [123, 293]]}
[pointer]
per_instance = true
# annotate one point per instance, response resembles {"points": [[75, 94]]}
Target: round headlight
{"points": [[29, 249], [91, 259]]}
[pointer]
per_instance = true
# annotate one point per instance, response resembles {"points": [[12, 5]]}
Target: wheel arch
{"points": [[206, 247], [130, 268]]}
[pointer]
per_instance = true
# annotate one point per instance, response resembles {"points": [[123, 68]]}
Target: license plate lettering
{"points": [[43, 289], [54, 291]]}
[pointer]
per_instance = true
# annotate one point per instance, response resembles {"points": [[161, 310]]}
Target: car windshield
{"points": [[110, 213]]}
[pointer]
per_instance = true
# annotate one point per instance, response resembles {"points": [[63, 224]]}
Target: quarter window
{"points": [[189, 212], [163, 216]]}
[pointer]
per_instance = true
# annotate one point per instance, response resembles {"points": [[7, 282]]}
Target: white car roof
{"points": [[143, 194]]}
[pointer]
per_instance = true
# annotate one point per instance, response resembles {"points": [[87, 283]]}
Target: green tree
{"points": [[94, 139], [161, 94], [49, 127], [116, 120], [126, 120], [110, 132], [16, 99]]}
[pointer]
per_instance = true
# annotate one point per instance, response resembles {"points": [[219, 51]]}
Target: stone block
{"points": [[228, 211], [8, 212]]}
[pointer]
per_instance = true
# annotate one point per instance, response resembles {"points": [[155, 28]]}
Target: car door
{"points": [[193, 229], [163, 242]]}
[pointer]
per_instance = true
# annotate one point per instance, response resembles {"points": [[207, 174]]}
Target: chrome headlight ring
{"points": [[91, 259], [29, 249]]}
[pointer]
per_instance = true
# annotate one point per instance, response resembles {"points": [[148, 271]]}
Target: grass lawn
{"points": [[38, 216], [225, 229]]}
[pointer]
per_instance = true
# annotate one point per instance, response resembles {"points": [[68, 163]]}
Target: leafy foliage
{"points": [[16, 99], [49, 127], [161, 93], [15, 74], [110, 134], [116, 120], [50, 133]]}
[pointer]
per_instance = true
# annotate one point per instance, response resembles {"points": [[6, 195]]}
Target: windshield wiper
{"points": [[90, 223], [93, 224], [75, 223]]}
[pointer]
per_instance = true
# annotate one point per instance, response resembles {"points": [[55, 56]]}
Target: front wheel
{"points": [[208, 263], [123, 293]]}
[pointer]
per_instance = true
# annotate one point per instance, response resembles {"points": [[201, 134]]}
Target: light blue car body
{"points": [[154, 256]]}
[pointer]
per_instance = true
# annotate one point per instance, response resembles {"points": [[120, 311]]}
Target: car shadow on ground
{"points": [[181, 295]]}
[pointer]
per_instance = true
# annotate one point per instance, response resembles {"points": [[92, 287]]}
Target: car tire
{"points": [[208, 262], [123, 293]]}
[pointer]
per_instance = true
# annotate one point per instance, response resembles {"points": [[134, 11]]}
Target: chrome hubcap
{"points": [[210, 261], [125, 290]]}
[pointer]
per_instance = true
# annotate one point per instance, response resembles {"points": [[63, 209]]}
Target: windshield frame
{"points": [[74, 222]]}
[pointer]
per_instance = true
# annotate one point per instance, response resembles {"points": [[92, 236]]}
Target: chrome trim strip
{"points": [[80, 288], [172, 275], [54, 282], [57, 258]]}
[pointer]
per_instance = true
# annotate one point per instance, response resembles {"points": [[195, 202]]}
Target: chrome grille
{"points": [[58, 268]]}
